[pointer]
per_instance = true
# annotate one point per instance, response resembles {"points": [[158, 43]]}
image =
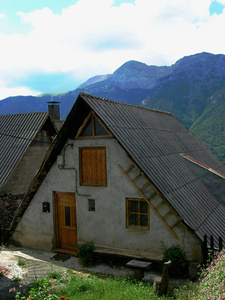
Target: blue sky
{"points": [[55, 45]]}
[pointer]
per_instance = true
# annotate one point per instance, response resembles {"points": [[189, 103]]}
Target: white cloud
{"points": [[94, 37], [221, 2], [16, 91]]}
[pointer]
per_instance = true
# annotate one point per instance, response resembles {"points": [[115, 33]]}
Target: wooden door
{"points": [[66, 222]]}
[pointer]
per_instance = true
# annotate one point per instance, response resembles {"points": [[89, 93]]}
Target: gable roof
{"points": [[17, 132], [155, 141]]}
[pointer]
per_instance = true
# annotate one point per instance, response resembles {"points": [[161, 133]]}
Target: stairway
{"points": [[150, 195]]}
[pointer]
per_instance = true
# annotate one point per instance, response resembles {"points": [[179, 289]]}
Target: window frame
{"points": [[129, 213], [91, 117], [91, 205], [104, 168]]}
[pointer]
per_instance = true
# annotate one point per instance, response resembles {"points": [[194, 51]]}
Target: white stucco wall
{"points": [[106, 226]]}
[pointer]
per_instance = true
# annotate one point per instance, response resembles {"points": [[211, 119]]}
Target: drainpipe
{"points": [[61, 166]]}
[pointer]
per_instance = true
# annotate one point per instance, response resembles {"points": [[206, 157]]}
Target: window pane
{"points": [[138, 213], [143, 220], [134, 206], [134, 220], [87, 131], [99, 129], [143, 207], [91, 204], [67, 215]]}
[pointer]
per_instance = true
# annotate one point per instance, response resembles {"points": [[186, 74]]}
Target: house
{"points": [[127, 178], [25, 139]]}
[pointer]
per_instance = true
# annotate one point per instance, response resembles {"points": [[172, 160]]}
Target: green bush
{"points": [[178, 258], [86, 253], [21, 262]]}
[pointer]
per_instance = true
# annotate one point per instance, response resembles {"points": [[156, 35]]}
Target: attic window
{"points": [[92, 127]]}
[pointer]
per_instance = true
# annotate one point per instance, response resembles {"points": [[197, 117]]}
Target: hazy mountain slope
{"points": [[210, 126], [185, 91], [192, 89], [134, 74]]}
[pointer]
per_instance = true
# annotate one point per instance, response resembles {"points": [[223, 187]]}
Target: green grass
{"points": [[77, 285], [21, 262], [92, 287]]}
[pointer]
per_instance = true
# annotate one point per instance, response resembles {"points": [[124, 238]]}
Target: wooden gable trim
{"points": [[92, 115]]}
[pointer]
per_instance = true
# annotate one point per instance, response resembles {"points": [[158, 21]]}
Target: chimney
{"points": [[54, 111]]}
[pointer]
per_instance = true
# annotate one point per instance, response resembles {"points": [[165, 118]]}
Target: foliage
{"points": [[86, 253], [211, 284], [16, 278], [178, 258], [21, 262], [40, 290], [54, 275], [212, 279], [92, 287], [80, 286]]}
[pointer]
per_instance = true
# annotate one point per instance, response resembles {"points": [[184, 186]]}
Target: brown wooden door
{"points": [[66, 222]]}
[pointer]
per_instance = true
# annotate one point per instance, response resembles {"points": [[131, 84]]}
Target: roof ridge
{"points": [[125, 104]]}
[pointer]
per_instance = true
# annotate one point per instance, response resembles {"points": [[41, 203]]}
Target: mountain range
{"points": [[193, 89]]}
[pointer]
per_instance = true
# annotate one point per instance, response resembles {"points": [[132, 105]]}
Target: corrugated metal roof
{"points": [[155, 141], [16, 133]]}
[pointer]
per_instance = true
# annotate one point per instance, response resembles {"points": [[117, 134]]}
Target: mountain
{"points": [[193, 89]]}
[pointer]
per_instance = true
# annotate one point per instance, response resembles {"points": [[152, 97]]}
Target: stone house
{"points": [[127, 178], [25, 139]]}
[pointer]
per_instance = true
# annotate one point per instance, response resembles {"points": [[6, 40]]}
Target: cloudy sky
{"points": [[55, 45]]}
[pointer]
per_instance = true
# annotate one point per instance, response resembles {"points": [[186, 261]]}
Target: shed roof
{"points": [[17, 131], [157, 142]]}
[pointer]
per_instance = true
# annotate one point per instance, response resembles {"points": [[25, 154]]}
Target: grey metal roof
{"points": [[156, 141], [17, 131]]}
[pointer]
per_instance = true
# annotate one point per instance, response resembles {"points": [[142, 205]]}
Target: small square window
{"points": [[137, 213], [91, 204]]}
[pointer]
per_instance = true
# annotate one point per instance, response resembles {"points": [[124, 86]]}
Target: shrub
{"points": [[86, 253], [212, 280], [177, 257], [21, 262]]}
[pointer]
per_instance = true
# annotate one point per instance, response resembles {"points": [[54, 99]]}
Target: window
{"points": [[91, 204], [92, 127], [137, 213], [93, 166]]}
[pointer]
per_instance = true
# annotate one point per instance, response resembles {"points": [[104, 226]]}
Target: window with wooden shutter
{"points": [[93, 166]]}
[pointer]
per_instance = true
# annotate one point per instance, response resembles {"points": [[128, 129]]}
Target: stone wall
{"points": [[8, 206], [23, 174]]}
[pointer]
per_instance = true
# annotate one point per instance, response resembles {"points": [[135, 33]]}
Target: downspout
{"points": [[61, 166]]}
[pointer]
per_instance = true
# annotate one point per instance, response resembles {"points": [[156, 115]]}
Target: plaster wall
{"points": [[106, 226]]}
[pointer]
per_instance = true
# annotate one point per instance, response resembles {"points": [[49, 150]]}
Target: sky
{"points": [[55, 45]]}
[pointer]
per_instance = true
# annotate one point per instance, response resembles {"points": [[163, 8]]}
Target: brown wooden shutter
{"points": [[93, 166]]}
